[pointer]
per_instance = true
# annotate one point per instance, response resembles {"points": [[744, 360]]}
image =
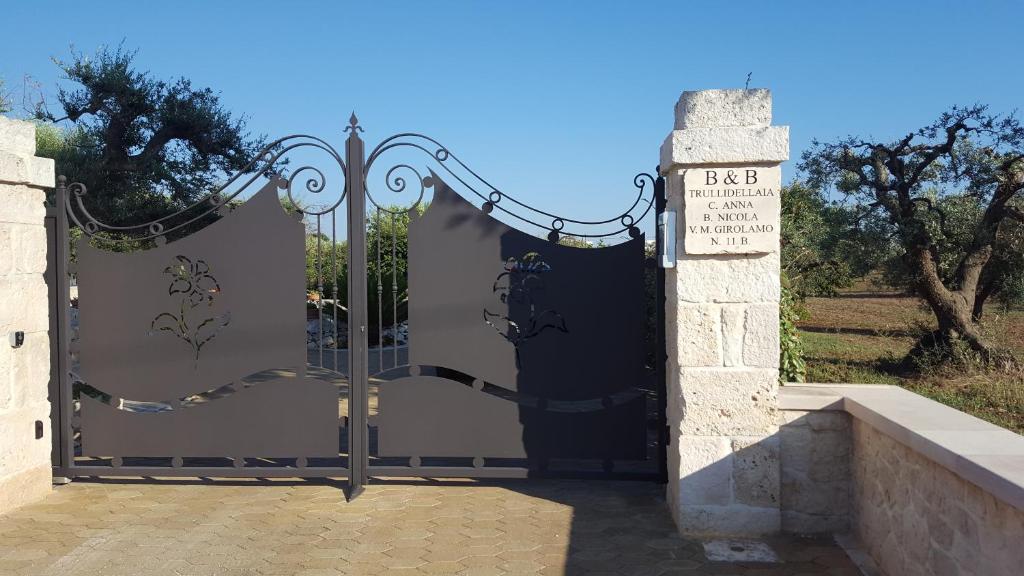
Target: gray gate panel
{"points": [[196, 313], [282, 417], [431, 416], [454, 250], [576, 327], [428, 416], [559, 328]]}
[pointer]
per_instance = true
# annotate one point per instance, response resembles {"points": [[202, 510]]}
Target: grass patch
{"points": [[1000, 399], [861, 338]]}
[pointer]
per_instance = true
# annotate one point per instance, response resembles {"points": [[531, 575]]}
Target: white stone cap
{"points": [[721, 108], [724, 127], [18, 163], [17, 136], [984, 454]]}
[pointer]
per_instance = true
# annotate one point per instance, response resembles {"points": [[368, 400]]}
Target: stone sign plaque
{"points": [[731, 210]]}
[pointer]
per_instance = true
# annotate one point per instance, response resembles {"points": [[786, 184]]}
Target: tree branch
{"points": [[1015, 213]]}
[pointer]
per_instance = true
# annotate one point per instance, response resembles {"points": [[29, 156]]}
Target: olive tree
{"points": [[143, 147], [908, 188]]}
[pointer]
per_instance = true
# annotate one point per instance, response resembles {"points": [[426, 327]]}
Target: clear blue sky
{"points": [[559, 103]]}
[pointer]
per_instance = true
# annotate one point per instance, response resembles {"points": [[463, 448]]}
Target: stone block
{"points": [[6, 249], [819, 499], [17, 292], [695, 335], [6, 370], [31, 370], [829, 457], [21, 449], [28, 248], [755, 472], [41, 172], [740, 145], [761, 336], [25, 487], [733, 520], [828, 420], [22, 204], [14, 168], [717, 108], [727, 401], [705, 466], [17, 136], [732, 334], [815, 485], [743, 278]]}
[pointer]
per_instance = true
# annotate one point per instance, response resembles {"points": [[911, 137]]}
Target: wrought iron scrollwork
{"points": [[400, 178], [266, 164], [493, 198]]}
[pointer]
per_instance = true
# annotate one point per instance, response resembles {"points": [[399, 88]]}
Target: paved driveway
{"points": [[283, 527]]}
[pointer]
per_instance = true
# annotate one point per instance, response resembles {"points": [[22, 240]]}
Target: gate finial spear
{"points": [[353, 124]]}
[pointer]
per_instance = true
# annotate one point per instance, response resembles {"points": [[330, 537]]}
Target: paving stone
{"points": [[417, 528]]}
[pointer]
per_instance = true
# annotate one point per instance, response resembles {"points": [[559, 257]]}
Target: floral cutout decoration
{"points": [[517, 289], [195, 286]]}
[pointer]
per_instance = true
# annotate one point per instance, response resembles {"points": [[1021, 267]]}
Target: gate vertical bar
{"points": [[660, 348], [63, 405], [358, 408]]}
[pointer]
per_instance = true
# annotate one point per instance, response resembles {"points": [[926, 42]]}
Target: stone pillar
{"points": [[721, 164], [25, 472]]}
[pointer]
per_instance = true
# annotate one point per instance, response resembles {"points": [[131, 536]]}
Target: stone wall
{"points": [[914, 486], [816, 477], [722, 322], [915, 517], [25, 473]]}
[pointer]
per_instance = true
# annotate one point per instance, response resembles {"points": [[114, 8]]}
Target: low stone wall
{"points": [[922, 488], [25, 473], [914, 516]]}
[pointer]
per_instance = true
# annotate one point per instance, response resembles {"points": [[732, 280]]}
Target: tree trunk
{"points": [[988, 290], [953, 310]]}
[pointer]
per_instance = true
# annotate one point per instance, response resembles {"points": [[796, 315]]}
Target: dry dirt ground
{"points": [[862, 337]]}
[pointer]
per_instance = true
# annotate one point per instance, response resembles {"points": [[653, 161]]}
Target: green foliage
{"points": [[74, 150], [996, 398], [144, 148], [387, 255], [387, 249], [792, 367], [326, 266], [577, 242], [822, 251], [953, 235]]}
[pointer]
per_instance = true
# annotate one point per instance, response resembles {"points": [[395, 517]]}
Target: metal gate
{"points": [[354, 336]]}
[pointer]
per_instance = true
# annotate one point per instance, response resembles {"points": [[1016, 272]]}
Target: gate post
{"points": [[358, 408], [721, 163], [25, 445]]}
